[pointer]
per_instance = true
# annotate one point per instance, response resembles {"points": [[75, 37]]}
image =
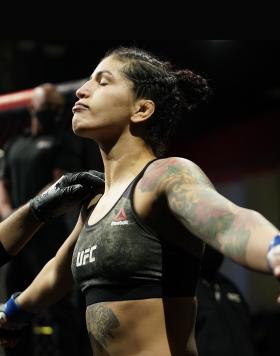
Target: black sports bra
{"points": [[120, 258]]}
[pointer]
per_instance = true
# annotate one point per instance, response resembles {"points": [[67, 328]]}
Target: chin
{"points": [[77, 129], [81, 131]]}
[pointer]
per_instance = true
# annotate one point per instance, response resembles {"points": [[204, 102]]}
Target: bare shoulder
{"points": [[172, 170]]}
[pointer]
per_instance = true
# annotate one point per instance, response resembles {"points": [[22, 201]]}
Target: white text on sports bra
{"points": [[85, 256]]}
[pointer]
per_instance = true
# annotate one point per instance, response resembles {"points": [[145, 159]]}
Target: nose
{"points": [[83, 91]]}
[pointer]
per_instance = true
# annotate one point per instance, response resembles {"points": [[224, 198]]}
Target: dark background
{"points": [[243, 110], [244, 75]]}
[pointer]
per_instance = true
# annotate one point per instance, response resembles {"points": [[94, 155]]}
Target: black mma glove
{"points": [[69, 191]]}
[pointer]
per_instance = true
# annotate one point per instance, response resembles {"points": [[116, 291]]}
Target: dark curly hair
{"points": [[174, 92]]}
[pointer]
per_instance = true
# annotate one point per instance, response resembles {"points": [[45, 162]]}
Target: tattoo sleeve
{"points": [[208, 215]]}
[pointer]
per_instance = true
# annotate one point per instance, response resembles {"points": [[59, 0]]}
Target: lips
{"points": [[78, 107]]}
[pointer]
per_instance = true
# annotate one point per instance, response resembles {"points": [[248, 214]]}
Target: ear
{"points": [[143, 110]]}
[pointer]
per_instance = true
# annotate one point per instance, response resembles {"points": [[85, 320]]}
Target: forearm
{"points": [[50, 285], [55, 280], [17, 229], [248, 238], [240, 234]]}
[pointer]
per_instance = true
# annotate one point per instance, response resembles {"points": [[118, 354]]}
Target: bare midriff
{"points": [[146, 327]]}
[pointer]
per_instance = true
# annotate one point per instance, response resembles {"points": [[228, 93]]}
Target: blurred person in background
{"points": [[33, 160], [223, 324]]}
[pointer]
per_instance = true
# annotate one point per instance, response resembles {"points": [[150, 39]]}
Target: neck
{"points": [[123, 162]]}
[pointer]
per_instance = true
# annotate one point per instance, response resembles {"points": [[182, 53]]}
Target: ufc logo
{"points": [[85, 256]]}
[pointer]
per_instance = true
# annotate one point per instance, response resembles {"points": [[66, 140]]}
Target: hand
{"points": [[13, 319], [69, 191]]}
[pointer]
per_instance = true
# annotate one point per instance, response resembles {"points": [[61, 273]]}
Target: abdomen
{"points": [[146, 327]]}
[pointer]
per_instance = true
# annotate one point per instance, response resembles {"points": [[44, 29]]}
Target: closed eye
{"points": [[103, 82]]}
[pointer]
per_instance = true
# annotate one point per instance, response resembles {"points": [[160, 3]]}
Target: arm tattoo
{"points": [[100, 323], [194, 201], [159, 169], [166, 169], [208, 215]]}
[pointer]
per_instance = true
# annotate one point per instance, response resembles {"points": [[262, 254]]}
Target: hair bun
{"points": [[193, 87]]}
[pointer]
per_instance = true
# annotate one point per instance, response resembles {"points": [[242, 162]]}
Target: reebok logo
{"points": [[120, 218]]}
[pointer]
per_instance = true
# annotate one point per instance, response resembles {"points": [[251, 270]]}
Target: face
{"points": [[105, 104]]}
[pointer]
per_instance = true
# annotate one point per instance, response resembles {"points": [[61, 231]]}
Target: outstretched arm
{"points": [[51, 284], [68, 192], [241, 234], [55, 279], [16, 230]]}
